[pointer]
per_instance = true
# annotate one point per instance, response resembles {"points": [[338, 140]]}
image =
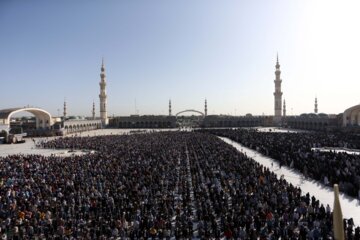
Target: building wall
{"points": [[234, 121], [313, 122], [143, 122], [72, 126]]}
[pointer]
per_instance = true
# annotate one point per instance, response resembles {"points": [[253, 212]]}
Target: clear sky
{"points": [[186, 50]]}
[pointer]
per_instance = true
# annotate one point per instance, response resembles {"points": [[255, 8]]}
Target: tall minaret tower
{"points": [[277, 93], [316, 106], [284, 109], [103, 96], [205, 107], [93, 111], [64, 110], [169, 107]]}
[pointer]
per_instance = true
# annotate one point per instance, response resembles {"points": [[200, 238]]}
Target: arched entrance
{"points": [[189, 121], [43, 118], [190, 111]]}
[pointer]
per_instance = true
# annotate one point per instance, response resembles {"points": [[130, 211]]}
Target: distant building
{"points": [[145, 121], [78, 125], [277, 94], [312, 121], [219, 121], [26, 123], [93, 111], [205, 108], [103, 97], [65, 110], [169, 107]]}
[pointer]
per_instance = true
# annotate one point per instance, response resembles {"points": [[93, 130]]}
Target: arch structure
{"points": [[43, 118], [190, 110], [351, 116]]}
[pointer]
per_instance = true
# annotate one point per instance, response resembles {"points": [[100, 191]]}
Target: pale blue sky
{"points": [[224, 51]]}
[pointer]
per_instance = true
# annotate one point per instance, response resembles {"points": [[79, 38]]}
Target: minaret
{"points": [[169, 107], [103, 96], [277, 93], [316, 106], [64, 110], [205, 107], [93, 111], [284, 109]]}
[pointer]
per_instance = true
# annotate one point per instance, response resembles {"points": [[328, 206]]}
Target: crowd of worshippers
{"points": [[296, 150], [160, 185]]}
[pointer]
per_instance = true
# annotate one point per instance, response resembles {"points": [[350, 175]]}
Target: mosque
{"points": [[349, 120]]}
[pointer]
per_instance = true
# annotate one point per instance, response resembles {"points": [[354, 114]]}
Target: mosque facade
{"points": [[349, 120]]}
